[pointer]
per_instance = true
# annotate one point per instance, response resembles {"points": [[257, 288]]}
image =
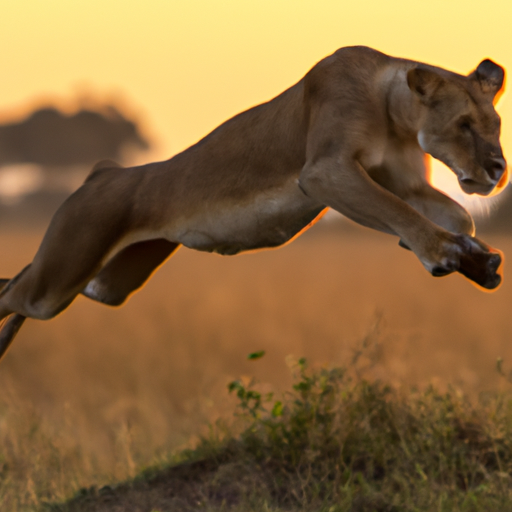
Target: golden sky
{"points": [[187, 65]]}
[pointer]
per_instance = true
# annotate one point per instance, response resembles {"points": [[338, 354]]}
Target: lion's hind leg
{"points": [[80, 235], [8, 330], [10, 322], [83, 232], [128, 270]]}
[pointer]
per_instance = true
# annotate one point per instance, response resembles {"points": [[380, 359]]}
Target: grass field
{"points": [[97, 393]]}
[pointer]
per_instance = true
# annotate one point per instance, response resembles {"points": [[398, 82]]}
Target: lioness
{"points": [[351, 135]]}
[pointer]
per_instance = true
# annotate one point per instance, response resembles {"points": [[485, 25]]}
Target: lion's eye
{"points": [[465, 126]]}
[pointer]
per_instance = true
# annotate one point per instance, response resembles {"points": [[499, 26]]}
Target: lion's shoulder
{"points": [[103, 165]]}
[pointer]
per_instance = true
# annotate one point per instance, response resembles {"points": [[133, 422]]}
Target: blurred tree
{"points": [[51, 138]]}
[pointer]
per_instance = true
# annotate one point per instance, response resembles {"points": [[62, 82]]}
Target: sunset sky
{"points": [[183, 67]]}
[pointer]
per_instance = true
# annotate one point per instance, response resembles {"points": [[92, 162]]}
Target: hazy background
{"points": [[153, 77]]}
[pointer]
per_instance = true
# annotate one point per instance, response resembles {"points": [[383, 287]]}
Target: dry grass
{"points": [[334, 443], [98, 393]]}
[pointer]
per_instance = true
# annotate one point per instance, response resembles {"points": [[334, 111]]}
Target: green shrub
{"points": [[334, 441]]}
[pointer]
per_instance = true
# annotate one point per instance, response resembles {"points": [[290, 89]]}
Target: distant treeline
{"points": [[51, 138]]}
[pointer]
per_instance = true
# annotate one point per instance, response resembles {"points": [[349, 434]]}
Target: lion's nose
{"points": [[496, 167]]}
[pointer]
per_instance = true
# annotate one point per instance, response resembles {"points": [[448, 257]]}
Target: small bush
{"points": [[337, 442]]}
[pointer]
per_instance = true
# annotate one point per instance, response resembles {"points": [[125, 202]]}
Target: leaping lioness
{"points": [[351, 135]]}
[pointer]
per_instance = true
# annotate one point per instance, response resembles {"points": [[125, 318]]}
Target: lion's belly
{"points": [[268, 220]]}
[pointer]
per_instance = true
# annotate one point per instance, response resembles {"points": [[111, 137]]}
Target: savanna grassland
{"points": [[97, 394]]}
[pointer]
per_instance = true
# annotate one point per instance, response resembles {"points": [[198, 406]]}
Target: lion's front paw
{"points": [[480, 263], [439, 271], [448, 253]]}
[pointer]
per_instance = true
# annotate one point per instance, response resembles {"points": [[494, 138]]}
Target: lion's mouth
{"points": [[483, 188], [470, 186]]}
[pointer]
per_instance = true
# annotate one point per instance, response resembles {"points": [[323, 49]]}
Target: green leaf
{"points": [[277, 410], [234, 385], [256, 355]]}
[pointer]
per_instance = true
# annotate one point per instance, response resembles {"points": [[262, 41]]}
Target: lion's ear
{"points": [[490, 76], [423, 82]]}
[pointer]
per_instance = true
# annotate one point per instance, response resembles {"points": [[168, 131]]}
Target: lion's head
{"points": [[460, 126]]}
